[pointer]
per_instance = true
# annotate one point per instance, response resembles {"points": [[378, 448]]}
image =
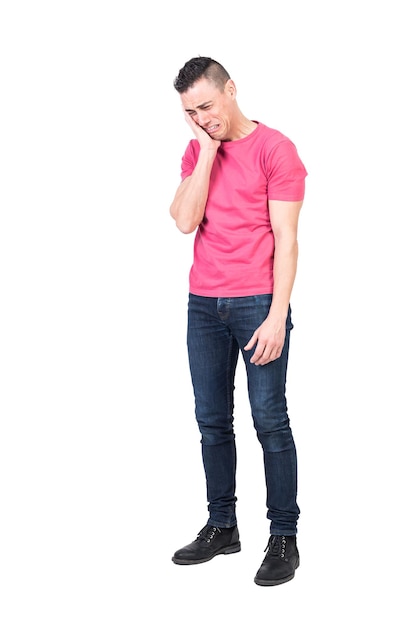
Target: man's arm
{"points": [[269, 337], [188, 206]]}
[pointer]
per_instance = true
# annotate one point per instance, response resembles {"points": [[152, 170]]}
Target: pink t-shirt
{"points": [[234, 244]]}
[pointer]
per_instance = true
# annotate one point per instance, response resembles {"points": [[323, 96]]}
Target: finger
{"points": [[251, 343], [258, 355], [266, 355], [274, 355]]}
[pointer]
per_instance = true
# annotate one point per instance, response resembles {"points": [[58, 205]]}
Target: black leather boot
{"points": [[280, 562], [210, 542]]}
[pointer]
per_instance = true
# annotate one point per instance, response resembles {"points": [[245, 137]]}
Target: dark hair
{"points": [[201, 67]]}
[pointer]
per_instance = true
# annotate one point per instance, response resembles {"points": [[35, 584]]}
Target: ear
{"points": [[230, 88]]}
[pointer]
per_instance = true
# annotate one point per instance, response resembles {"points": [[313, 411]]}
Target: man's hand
{"points": [[269, 340], [205, 140]]}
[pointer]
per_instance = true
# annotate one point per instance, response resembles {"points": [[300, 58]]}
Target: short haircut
{"points": [[201, 67]]}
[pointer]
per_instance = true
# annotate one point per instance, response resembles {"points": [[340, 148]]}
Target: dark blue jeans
{"points": [[218, 329]]}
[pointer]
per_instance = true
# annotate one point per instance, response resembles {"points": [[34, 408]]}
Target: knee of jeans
{"points": [[275, 434], [215, 430], [216, 439], [276, 442]]}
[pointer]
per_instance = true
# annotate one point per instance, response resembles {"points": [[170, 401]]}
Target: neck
{"points": [[240, 127], [244, 127]]}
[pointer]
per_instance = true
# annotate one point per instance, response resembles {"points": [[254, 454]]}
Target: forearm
{"points": [[284, 272], [269, 337], [188, 206]]}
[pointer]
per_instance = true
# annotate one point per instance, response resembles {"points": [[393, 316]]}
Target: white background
{"points": [[101, 477]]}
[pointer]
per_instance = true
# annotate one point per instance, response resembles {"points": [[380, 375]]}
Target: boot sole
{"points": [[236, 547]]}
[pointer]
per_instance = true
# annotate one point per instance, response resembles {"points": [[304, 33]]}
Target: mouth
{"points": [[212, 129]]}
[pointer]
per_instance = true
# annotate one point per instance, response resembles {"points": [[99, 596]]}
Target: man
{"points": [[242, 189]]}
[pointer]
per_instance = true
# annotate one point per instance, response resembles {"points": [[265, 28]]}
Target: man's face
{"points": [[210, 108]]}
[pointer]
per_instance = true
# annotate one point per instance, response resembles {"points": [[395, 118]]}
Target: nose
{"points": [[202, 118]]}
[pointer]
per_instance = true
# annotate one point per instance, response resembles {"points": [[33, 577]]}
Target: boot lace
{"points": [[277, 546], [208, 533]]}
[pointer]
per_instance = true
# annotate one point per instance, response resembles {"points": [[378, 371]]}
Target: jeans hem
{"points": [[284, 533], [212, 522]]}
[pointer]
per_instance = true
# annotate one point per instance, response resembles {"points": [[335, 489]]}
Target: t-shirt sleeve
{"points": [[189, 159], [285, 173]]}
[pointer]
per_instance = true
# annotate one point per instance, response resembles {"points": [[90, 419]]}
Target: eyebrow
{"points": [[199, 106]]}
